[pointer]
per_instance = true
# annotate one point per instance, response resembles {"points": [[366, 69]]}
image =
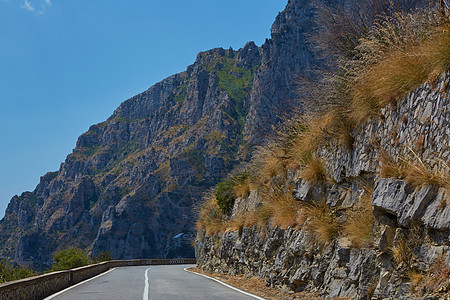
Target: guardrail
{"points": [[39, 287]]}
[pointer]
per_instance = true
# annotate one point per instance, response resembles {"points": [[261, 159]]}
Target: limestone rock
{"points": [[305, 191], [390, 195], [437, 214], [410, 223], [420, 206]]}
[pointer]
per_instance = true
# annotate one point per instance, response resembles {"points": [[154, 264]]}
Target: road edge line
{"points": [[75, 285], [146, 286], [226, 284]]}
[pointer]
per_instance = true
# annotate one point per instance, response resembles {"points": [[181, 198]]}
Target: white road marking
{"points": [[227, 285], [145, 297], [80, 283]]}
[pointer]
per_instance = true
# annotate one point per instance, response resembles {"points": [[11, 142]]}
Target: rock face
{"points": [[276, 82], [410, 221], [132, 181]]}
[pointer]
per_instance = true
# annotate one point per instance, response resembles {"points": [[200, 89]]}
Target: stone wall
{"points": [[416, 126], [39, 287], [414, 129]]}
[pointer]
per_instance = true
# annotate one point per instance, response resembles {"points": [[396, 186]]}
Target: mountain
{"points": [[132, 182]]}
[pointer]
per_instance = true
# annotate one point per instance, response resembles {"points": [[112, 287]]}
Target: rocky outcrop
{"points": [[411, 228], [275, 91], [132, 181]]}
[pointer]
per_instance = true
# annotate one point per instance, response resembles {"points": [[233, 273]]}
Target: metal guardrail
{"points": [[39, 287]]}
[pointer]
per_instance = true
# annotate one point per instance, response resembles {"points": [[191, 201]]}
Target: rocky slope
{"points": [[407, 251], [131, 183]]}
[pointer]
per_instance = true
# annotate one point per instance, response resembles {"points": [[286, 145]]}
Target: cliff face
{"points": [[131, 183], [276, 82], [410, 233]]}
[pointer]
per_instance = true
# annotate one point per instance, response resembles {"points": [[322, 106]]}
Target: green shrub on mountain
{"points": [[225, 196], [9, 272], [69, 258], [102, 256]]}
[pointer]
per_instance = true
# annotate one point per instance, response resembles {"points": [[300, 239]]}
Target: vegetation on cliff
{"points": [[65, 259], [352, 199], [381, 64], [71, 258], [9, 272]]}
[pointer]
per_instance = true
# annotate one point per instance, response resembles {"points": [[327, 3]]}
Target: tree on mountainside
{"points": [[9, 272], [69, 258]]}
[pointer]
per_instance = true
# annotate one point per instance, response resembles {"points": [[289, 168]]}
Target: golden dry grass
{"points": [[243, 184], [415, 277], [314, 134], [359, 223], [280, 208], [248, 219], [400, 252], [339, 128], [242, 189], [275, 159], [314, 171], [269, 162], [419, 174], [396, 58], [414, 171], [322, 222], [210, 216], [399, 71], [389, 168]]}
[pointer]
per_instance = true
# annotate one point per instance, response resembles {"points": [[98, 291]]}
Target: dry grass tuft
{"points": [[419, 144], [258, 218], [386, 58], [419, 174], [262, 215], [314, 171], [415, 277], [280, 208], [322, 222], [390, 168], [394, 56], [269, 162], [243, 184], [435, 280], [415, 171], [339, 128], [313, 135], [403, 249], [358, 227], [210, 216], [399, 53], [401, 252]]}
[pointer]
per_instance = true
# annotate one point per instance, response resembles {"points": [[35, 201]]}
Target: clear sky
{"points": [[67, 64]]}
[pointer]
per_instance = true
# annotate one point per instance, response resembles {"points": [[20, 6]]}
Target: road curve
{"points": [[149, 282]]}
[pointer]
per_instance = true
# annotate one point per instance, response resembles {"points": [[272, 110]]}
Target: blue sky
{"points": [[65, 65]]}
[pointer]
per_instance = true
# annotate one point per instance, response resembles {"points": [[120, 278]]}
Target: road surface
{"points": [[149, 283]]}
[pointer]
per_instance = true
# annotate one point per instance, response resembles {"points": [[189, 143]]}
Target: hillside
{"points": [[351, 200], [356, 233]]}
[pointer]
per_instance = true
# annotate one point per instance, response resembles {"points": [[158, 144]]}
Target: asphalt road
{"points": [[149, 282]]}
